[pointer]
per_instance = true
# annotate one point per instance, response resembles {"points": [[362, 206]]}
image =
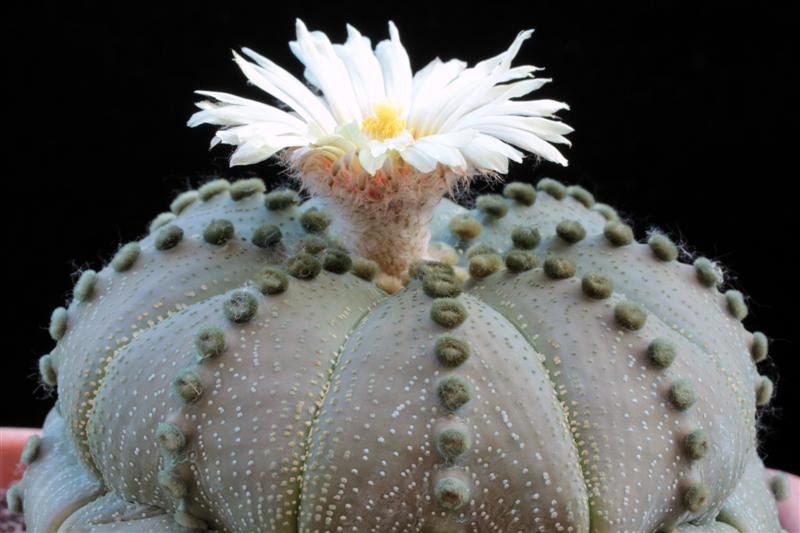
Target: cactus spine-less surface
{"points": [[239, 370], [381, 359]]}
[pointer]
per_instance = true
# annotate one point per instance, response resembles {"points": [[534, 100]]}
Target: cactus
{"points": [[258, 363]]}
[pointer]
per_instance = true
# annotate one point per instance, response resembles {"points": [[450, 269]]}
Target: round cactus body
{"points": [[229, 385], [380, 359]]}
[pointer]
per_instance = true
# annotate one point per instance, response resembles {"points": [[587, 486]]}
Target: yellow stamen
{"points": [[385, 123]]}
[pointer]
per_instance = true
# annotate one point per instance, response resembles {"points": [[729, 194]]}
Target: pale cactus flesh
{"points": [[537, 369]]}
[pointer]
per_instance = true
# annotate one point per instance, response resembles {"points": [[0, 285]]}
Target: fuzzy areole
{"points": [[210, 342], [440, 285], [281, 199], [523, 193], [448, 312], [453, 442], [525, 237], [240, 307], [451, 493], [267, 235], [189, 386], [451, 350], [271, 281], [597, 286], [218, 231], [483, 265], [168, 237], [453, 392], [520, 261]]}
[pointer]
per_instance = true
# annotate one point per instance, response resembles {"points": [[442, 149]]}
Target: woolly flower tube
{"points": [[382, 144]]}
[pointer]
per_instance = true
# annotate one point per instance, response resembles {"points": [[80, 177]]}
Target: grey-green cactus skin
{"points": [[325, 407], [376, 428], [56, 484]]}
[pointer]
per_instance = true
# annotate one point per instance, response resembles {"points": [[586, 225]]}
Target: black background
{"points": [[681, 118]]}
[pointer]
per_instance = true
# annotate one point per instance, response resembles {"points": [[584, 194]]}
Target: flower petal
{"points": [[274, 80], [484, 160], [363, 68], [525, 140], [521, 71], [549, 130], [496, 145], [467, 92], [538, 108], [444, 148], [493, 97], [256, 132], [372, 162], [352, 133], [251, 153], [419, 159], [427, 84], [234, 115], [259, 147], [330, 73], [504, 58], [396, 69]]}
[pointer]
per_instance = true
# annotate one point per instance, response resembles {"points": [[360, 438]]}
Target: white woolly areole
{"points": [[380, 141]]}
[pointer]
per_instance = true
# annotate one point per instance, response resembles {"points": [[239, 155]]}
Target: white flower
{"points": [[367, 111]]}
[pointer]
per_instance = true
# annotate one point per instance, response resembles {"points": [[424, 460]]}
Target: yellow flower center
{"points": [[385, 123]]}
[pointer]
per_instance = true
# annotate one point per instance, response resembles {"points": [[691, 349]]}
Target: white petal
{"points": [[364, 69], [250, 153], [487, 65], [259, 148], [521, 71], [227, 98], [493, 97], [298, 53], [336, 142], [303, 152], [256, 133], [485, 160], [234, 115], [400, 142], [527, 141], [377, 148], [496, 145], [274, 80], [330, 73], [537, 108], [515, 90], [445, 148], [419, 159], [371, 162], [396, 69], [470, 88], [307, 74], [352, 133], [488, 153], [427, 84], [511, 53], [447, 155], [549, 130]]}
